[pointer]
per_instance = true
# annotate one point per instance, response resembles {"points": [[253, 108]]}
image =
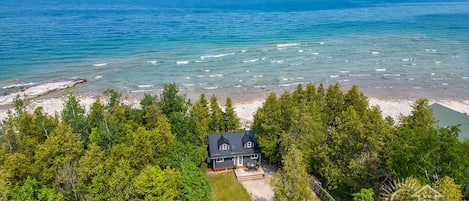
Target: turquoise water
{"points": [[230, 46]]}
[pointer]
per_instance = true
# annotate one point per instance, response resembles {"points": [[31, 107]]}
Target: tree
{"points": [[156, 184], [119, 184], [180, 153], [268, 127], [291, 181], [364, 195], [231, 118], [31, 190], [198, 123], [74, 115], [449, 189], [193, 185], [421, 117], [216, 116]]}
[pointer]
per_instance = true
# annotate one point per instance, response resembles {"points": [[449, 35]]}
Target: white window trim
{"points": [[254, 156], [219, 160], [248, 144], [224, 146]]}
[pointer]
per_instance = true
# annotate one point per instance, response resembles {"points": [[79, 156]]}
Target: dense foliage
{"points": [[350, 147], [113, 151]]}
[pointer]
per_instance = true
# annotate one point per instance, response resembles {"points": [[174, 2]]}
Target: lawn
{"points": [[225, 187]]}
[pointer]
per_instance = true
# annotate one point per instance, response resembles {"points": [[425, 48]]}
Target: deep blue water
{"points": [[139, 45]]}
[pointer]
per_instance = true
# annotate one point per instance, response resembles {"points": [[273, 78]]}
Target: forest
{"points": [[157, 151]]}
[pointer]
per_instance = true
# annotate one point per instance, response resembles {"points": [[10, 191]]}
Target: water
{"points": [[231, 46]]}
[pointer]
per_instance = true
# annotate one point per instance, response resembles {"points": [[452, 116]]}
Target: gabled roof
{"points": [[448, 117], [236, 141]]}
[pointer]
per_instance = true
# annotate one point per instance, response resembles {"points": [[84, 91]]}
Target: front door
{"points": [[238, 160]]}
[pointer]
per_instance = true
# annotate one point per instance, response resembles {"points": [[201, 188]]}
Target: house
{"points": [[447, 117], [233, 149]]}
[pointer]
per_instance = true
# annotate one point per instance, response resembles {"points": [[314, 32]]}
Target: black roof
{"points": [[235, 140]]}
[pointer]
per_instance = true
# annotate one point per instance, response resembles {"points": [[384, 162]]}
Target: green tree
{"points": [[291, 181], [193, 185], [31, 190], [156, 184], [232, 119], [175, 107], [364, 195], [180, 153], [74, 115], [449, 189], [198, 124], [216, 116], [268, 129], [57, 158], [91, 173], [119, 184], [421, 117]]}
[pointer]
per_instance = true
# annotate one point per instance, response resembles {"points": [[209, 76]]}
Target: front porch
{"points": [[244, 173]]}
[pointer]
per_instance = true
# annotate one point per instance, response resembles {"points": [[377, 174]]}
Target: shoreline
{"points": [[246, 103]]}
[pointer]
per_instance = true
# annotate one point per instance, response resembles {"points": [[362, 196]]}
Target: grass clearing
{"points": [[225, 187]]}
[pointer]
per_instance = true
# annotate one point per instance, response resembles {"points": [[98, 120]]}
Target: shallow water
{"points": [[394, 49]]}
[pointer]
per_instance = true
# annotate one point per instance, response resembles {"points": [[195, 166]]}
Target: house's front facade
{"points": [[229, 150]]}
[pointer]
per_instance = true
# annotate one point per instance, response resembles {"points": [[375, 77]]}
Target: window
{"points": [[224, 147], [248, 144], [220, 160], [254, 156]]}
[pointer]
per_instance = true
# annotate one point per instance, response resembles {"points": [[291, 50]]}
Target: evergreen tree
{"points": [[199, 120], [32, 190], [291, 181], [156, 184], [175, 107], [216, 116], [449, 189], [231, 118], [421, 117], [193, 185]]}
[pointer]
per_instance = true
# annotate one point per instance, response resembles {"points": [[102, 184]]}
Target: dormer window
{"points": [[248, 144], [224, 147]]}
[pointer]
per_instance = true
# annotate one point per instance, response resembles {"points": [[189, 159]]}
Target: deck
{"points": [[244, 174]]}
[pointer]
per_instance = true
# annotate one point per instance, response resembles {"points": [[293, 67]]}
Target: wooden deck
{"points": [[244, 174]]}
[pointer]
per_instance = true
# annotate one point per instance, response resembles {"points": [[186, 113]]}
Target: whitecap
{"points": [[374, 52], [277, 61], [152, 61], [392, 75], [329, 57], [247, 71], [411, 78], [263, 58], [200, 76], [432, 74], [210, 88], [380, 69], [285, 79], [140, 91], [322, 43], [182, 62], [237, 85], [206, 70], [444, 84], [345, 80], [216, 75], [99, 64], [251, 61], [18, 85], [300, 78], [258, 76], [281, 48], [360, 75], [240, 80], [243, 51], [144, 86], [198, 61], [291, 84], [259, 86], [334, 76], [188, 85], [405, 59], [288, 44], [315, 53], [344, 71], [465, 78], [437, 62], [300, 51], [215, 56], [187, 78], [98, 77]]}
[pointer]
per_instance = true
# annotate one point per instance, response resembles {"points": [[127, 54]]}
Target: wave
{"points": [[243, 51], [140, 91], [375, 52], [380, 69], [300, 78], [277, 61], [22, 85], [145, 86], [300, 51], [251, 61], [215, 56], [100, 64], [216, 75], [288, 44], [206, 70], [200, 76], [98, 77], [237, 85], [315, 53], [258, 76], [188, 85], [392, 75], [291, 84], [210, 88], [360, 75], [334, 76], [182, 62], [152, 61], [260, 86]]}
